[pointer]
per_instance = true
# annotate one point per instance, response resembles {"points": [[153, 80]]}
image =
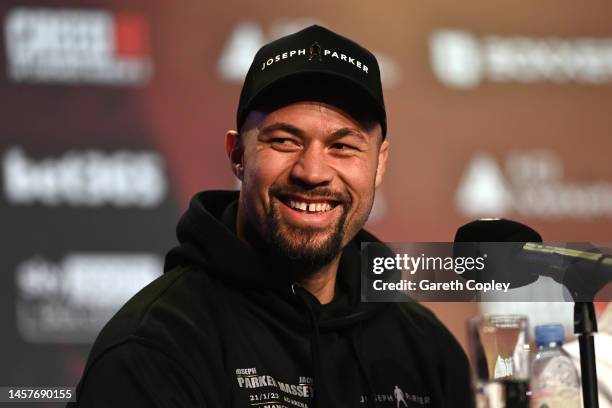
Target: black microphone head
{"points": [[496, 230], [502, 262]]}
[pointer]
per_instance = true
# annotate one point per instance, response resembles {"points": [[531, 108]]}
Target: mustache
{"points": [[340, 197]]}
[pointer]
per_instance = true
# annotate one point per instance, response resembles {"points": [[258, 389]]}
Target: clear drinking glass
{"points": [[499, 355]]}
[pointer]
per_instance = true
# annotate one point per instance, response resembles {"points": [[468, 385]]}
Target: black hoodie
{"points": [[222, 328]]}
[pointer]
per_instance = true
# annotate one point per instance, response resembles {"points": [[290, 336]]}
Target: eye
{"points": [[343, 147], [283, 143], [280, 140]]}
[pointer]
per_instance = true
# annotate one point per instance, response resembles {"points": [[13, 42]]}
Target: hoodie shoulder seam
{"points": [[144, 316], [132, 336], [132, 332]]}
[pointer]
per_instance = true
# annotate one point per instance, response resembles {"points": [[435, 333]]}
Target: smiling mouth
{"points": [[309, 205]]}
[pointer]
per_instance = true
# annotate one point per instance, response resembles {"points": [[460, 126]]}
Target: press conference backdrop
{"points": [[113, 115]]}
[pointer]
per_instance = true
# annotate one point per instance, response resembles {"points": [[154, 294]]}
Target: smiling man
{"points": [[309, 170], [259, 305]]}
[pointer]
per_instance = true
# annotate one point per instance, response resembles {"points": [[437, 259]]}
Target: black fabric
{"points": [[223, 328]]}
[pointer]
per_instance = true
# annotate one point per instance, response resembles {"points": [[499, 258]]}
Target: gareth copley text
{"points": [[427, 285]]}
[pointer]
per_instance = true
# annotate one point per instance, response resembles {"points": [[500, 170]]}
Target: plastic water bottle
{"points": [[554, 380]]}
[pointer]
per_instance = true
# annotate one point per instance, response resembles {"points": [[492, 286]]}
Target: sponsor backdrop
{"points": [[114, 114]]}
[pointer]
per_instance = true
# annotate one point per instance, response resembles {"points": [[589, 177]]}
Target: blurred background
{"points": [[113, 114]]}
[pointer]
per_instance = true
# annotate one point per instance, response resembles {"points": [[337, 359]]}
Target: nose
{"points": [[311, 168]]}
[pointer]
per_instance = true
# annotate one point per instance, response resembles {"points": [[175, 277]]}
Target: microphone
{"points": [[503, 261], [524, 259]]}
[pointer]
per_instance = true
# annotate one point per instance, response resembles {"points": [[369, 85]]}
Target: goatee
{"points": [[301, 249]]}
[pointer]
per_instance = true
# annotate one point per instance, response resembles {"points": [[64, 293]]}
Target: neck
{"points": [[322, 283]]}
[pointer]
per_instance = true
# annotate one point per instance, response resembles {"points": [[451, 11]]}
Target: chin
{"points": [[306, 239], [304, 250]]}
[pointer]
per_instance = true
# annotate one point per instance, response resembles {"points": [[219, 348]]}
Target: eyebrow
{"points": [[285, 127], [289, 128], [349, 132]]}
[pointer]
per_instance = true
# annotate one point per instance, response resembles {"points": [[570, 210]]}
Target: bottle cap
{"points": [[549, 333]]}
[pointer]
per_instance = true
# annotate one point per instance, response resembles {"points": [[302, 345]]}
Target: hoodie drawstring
{"points": [[315, 346], [357, 348]]}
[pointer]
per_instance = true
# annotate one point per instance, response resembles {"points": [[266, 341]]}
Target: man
{"points": [[260, 305]]}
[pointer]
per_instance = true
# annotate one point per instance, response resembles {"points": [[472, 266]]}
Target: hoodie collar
{"points": [[207, 239]]}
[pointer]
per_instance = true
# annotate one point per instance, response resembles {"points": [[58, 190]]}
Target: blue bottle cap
{"points": [[549, 333]]}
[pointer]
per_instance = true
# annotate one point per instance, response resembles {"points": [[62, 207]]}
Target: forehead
{"points": [[311, 115]]}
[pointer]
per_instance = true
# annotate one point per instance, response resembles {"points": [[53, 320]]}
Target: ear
{"points": [[235, 152], [383, 152]]}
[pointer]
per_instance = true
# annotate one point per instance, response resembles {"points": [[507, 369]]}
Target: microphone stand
{"points": [[585, 324], [583, 281]]}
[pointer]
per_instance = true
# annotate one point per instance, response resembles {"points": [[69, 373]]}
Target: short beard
{"points": [[297, 249]]}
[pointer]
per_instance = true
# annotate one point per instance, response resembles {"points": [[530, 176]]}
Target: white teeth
{"points": [[310, 207]]}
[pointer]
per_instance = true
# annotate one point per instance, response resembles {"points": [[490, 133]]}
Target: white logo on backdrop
{"points": [[248, 36], [76, 46], [88, 178], [462, 60], [530, 184], [456, 58], [483, 189], [72, 299]]}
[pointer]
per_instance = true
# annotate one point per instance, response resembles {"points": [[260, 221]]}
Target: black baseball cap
{"points": [[313, 64]]}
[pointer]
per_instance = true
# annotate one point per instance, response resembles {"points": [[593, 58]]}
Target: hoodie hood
{"points": [[207, 240], [222, 326]]}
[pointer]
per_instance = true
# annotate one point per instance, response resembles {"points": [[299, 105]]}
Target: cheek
{"points": [[359, 178], [254, 185], [359, 181], [262, 170]]}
